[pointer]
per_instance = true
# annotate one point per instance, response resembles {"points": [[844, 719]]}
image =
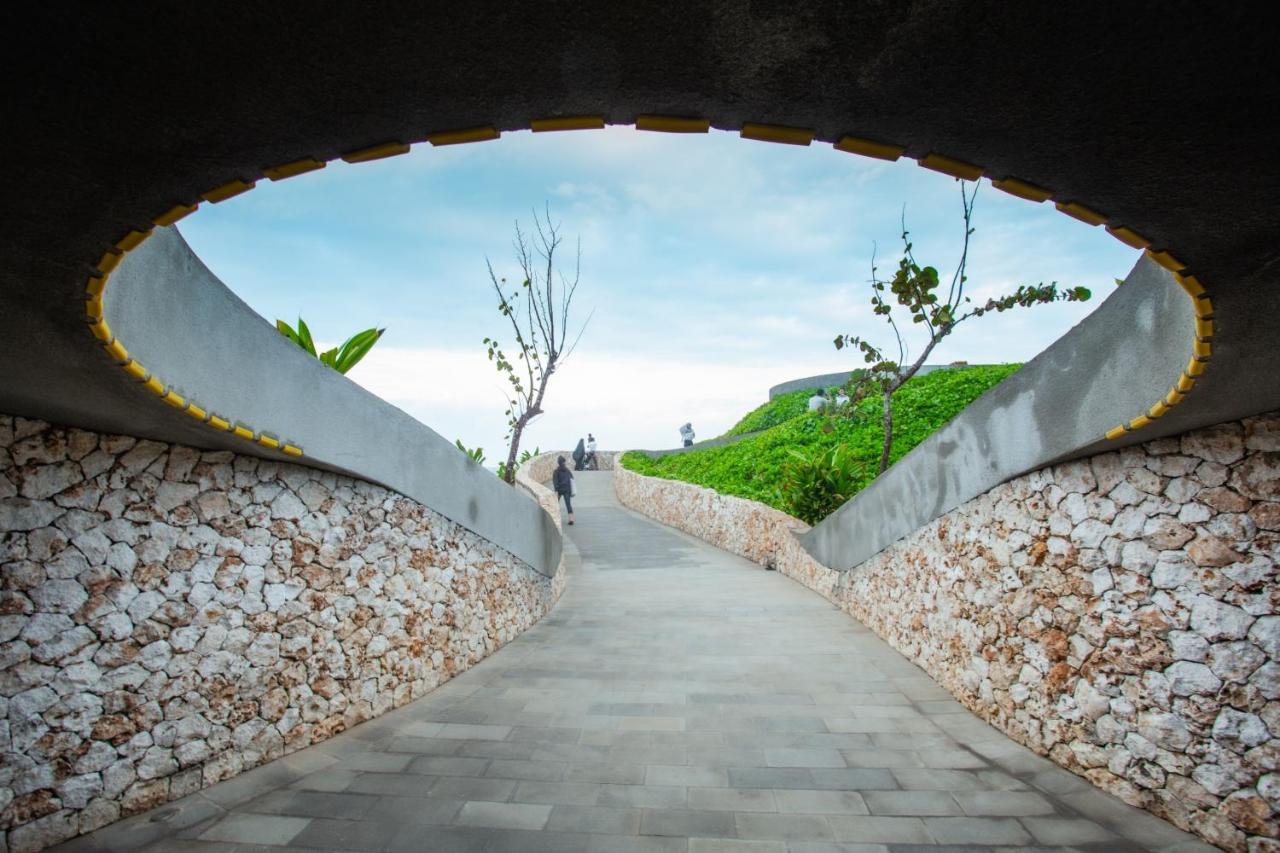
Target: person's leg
{"points": [[568, 505]]}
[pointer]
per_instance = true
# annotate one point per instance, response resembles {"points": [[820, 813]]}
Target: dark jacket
{"points": [[562, 479]]}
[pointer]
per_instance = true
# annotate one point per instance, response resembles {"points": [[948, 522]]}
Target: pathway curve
{"points": [[680, 699]]}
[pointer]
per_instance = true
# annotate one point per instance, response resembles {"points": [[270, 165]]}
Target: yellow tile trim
{"points": [[175, 213], [1202, 350], [870, 148], [242, 432], [230, 189], [672, 124], [1167, 261], [1087, 215], [109, 261], [116, 350], [96, 288], [1174, 397], [1204, 328], [547, 125], [1191, 285], [376, 152], [291, 450], [777, 133], [1158, 409], [132, 240], [297, 167], [1116, 432], [1139, 422], [1185, 384], [950, 166], [1128, 236], [101, 331], [1023, 189], [458, 137]]}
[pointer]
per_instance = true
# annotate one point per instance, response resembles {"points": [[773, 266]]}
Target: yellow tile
{"points": [[155, 386], [1023, 189], [1128, 236], [458, 137], [1167, 261], [116, 350], [195, 411], [1078, 211], [174, 213], [219, 423], [132, 240], [268, 441], [101, 331], [231, 189], [292, 450], [870, 148], [297, 167], [1139, 422], [243, 432], [777, 133], [136, 370], [545, 125], [1115, 432], [1157, 410], [673, 124], [1195, 367], [950, 166], [109, 261]]}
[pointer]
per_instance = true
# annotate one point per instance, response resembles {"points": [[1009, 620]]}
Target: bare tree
{"points": [[538, 310], [916, 289]]}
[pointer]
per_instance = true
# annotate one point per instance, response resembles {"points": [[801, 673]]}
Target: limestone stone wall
{"points": [[1118, 614], [170, 617]]}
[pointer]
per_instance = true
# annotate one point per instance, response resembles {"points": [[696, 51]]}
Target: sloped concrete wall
{"points": [[170, 617], [1120, 614]]}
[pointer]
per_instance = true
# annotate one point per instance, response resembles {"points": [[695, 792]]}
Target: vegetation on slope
{"points": [[754, 467]]}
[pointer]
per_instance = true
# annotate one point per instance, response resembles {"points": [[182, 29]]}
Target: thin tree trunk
{"points": [[888, 429]]}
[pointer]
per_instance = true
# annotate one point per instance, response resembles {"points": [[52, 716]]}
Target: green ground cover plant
{"points": [[754, 467]]}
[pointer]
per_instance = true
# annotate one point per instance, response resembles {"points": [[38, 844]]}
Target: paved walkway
{"points": [[677, 699]]}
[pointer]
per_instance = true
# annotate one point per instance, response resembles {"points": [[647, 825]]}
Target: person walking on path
{"points": [[686, 434], [590, 463], [562, 480]]}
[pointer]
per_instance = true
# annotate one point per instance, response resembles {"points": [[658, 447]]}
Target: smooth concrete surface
{"points": [[1110, 368], [677, 700], [171, 312]]}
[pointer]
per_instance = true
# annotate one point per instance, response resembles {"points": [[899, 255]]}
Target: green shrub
{"points": [[782, 408], [752, 468], [815, 484]]}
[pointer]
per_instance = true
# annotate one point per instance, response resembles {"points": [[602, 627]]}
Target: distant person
{"points": [[842, 399], [579, 455], [686, 434], [818, 400], [562, 480], [590, 462]]}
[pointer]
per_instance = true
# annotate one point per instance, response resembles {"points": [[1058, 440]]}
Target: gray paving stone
{"points": [[782, 827], [976, 830], [930, 803], [641, 796], [853, 779], [685, 823], [820, 802], [735, 845], [888, 830], [256, 829], [557, 793], [503, 815], [732, 799], [466, 788], [346, 835], [1003, 803], [686, 775], [770, 777], [803, 758], [598, 819], [1067, 831]]}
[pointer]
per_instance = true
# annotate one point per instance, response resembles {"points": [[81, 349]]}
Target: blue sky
{"points": [[715, 266]]}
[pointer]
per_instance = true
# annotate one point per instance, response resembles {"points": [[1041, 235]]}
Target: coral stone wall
{"points": [[1118, 614], [170, 617]]}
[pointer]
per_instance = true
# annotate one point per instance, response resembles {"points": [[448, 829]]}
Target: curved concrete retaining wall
{"points": [[1120, 614], [173, 315], [827, 380], [170, 617], [1057, 406]]}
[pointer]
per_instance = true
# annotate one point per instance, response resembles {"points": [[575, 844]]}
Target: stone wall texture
{"points": [[1118, 614], [170, 617]]}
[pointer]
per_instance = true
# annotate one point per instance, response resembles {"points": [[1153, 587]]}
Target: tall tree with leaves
{"points": [[917, 290], [538, 310]]}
